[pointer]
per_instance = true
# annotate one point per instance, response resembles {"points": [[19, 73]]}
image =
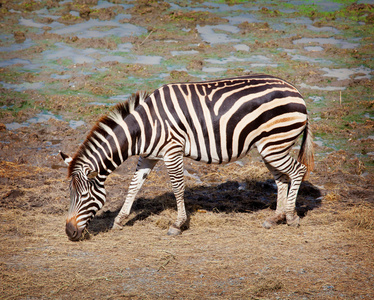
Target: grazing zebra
{"points": [[215, 121]]}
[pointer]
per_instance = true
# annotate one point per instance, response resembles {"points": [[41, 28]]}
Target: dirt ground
{"points": [[223, 252]]}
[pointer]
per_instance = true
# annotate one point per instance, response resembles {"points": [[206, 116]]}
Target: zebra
{"points": [[215, 122]]}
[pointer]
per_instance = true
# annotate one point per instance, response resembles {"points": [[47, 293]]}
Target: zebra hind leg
{"points": [[296, 176], [287, 168], [281, 181], [174, 165]]}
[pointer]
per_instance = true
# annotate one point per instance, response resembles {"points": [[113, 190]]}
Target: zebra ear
{"points": [[92, 175], [66, 158]]}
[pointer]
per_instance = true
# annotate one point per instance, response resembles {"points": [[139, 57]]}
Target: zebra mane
{"points": [[120, 110]]}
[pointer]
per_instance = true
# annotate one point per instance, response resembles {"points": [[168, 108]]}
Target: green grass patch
{"points": [[11, 99]]}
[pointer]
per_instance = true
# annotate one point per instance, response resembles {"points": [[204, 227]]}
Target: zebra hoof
{"points": [[174, 231], [293, 221], [117, 226], [268, 224], [274, 220]]}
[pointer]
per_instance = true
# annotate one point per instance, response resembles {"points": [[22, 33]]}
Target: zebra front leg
{"points": [[174, 165], [143, 168]]}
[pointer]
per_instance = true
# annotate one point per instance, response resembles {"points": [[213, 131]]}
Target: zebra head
{"points": [[87, 196]]}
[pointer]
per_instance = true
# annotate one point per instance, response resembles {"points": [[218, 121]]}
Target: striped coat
{"points": [[213, 122]]}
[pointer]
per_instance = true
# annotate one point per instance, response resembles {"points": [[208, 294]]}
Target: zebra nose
{"points": [[72, 230]]}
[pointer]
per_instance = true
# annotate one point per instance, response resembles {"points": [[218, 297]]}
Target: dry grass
{"points": [[332, 196], [220, 256], [14, 170], [359, 217], [223, 253]]}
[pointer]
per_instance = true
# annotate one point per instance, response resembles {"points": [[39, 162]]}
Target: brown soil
{"points": [[223, 252]]}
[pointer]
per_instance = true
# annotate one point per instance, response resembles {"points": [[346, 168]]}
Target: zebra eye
{"points": [[92, 175]]}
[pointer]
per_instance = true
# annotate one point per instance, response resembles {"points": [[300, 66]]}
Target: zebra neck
{"points": [[132, 136], [114, 139], [111, 146]]}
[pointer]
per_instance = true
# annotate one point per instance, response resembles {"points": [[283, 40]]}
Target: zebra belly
{"points": [[213, 158]]}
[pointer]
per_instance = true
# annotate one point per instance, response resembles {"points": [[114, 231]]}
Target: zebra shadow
{"points": [[228, 197]]}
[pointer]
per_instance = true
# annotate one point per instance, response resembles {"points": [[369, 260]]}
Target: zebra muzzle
{"points": [[72, 230]]}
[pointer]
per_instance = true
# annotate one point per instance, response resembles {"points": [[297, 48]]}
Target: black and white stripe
{"points": [[213, 121]]}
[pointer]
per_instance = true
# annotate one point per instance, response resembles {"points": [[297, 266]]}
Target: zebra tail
{"points": [[306, 154]]}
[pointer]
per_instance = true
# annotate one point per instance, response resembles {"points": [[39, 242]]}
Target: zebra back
{"points": [[221, 120]]}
